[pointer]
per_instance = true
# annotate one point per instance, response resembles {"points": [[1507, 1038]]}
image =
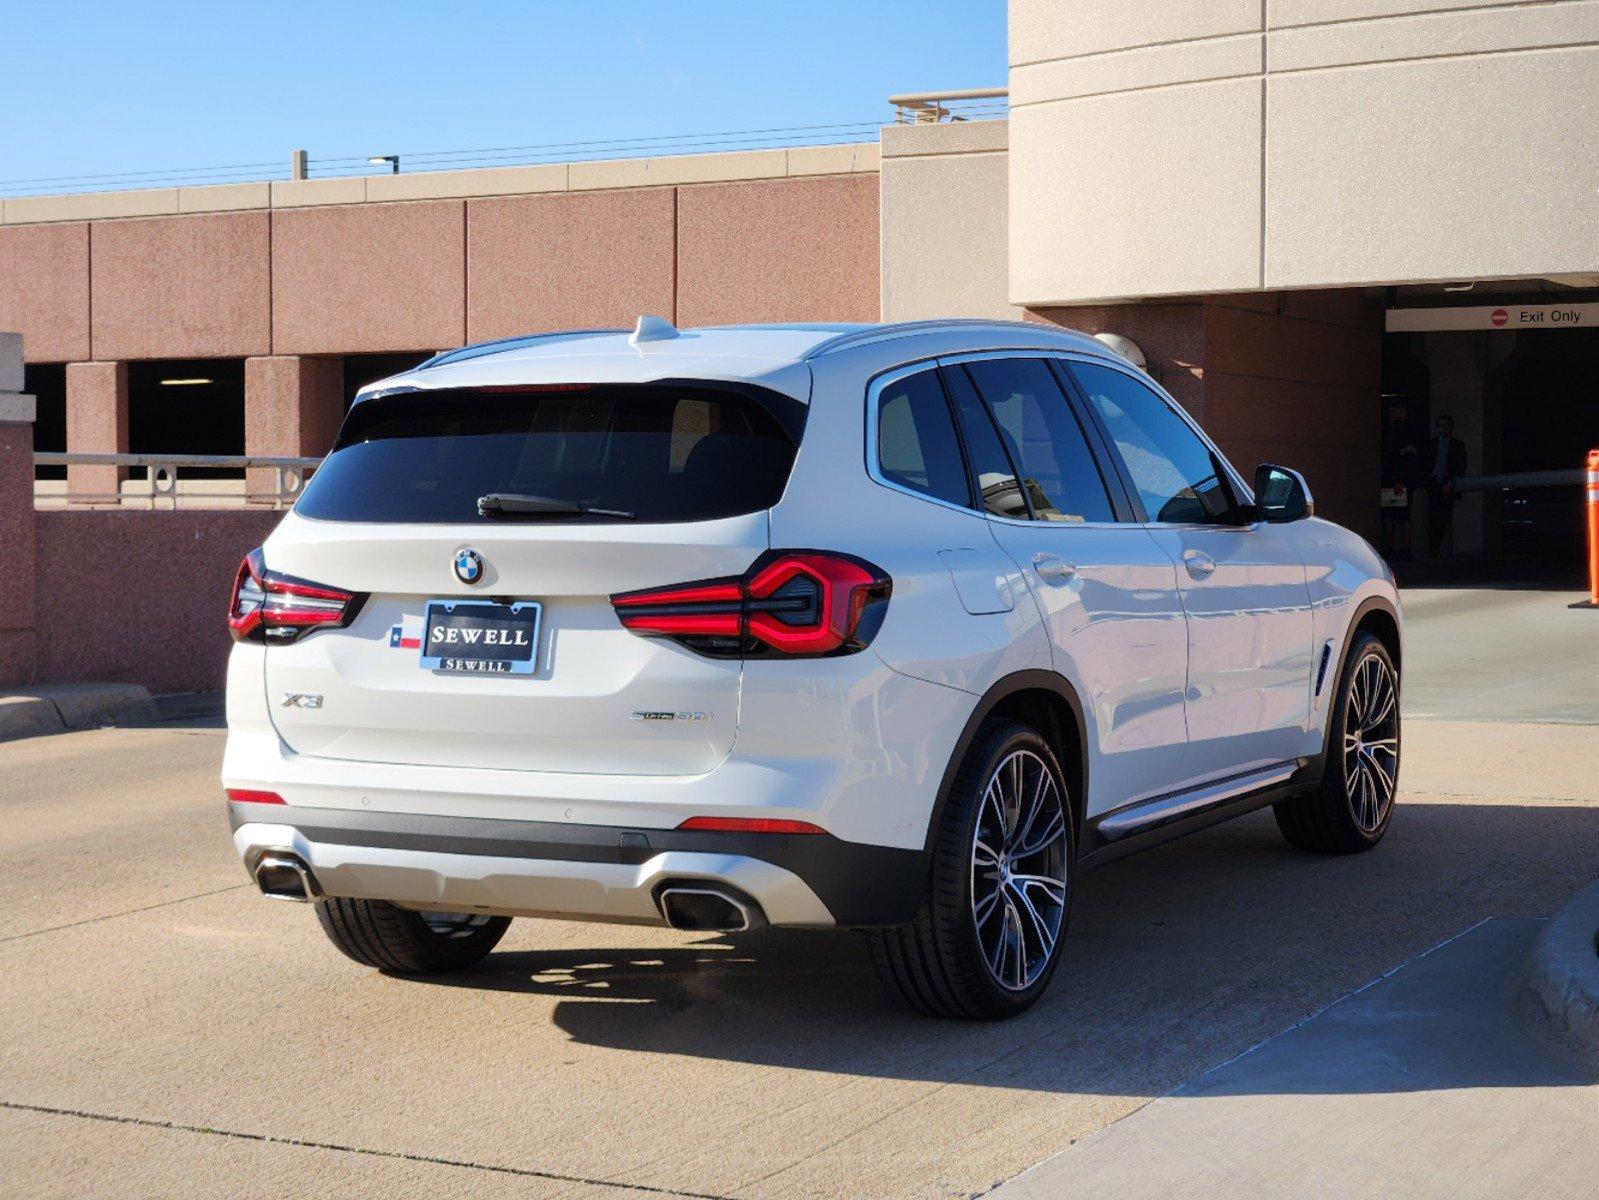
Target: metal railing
{"points": [[155, 481], [969, 104], [1519, 479]]}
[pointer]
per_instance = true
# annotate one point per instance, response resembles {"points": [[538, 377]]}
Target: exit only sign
{"points": [[1494, 316]]}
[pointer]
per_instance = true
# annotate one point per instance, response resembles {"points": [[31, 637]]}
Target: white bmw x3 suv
{"points": [[896, 628]]}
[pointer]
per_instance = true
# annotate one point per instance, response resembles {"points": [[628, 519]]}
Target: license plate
{"points": [[480, 637]]}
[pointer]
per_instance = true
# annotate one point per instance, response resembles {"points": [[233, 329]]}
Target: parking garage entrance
{"points": [[1488, 411]]}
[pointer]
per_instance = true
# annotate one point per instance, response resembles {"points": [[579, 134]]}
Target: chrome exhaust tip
{"points": [[284, 876], [706, 908]]}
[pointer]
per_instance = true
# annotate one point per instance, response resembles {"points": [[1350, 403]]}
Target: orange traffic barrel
{"points": [[1591, 491]]}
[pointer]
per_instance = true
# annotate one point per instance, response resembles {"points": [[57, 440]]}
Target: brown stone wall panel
{"points": [[1289, 410], [97, 423], [1172, 337], [182, 642], [293, 405], [16, 549], [368, 278], [580, 261], [182, 287], [44, 290], [778, 250], [1243, 342]]}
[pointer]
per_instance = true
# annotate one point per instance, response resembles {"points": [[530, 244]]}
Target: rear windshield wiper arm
{"points": [[515, 504]]}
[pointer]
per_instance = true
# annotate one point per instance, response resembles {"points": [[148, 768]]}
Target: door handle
{"points": [[1199, 563], [1052, 569]]}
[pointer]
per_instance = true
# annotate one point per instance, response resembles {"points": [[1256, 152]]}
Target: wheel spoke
{"points": [[1048, 836], [1053, 888], [984, 855], [986, 907], [1042, 935]]}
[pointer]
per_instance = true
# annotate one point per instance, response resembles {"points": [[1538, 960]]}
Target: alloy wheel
{"points": [[1018, 870], [1371, 742], [455, 925]]}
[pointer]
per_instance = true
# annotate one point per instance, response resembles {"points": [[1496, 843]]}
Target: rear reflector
{"points": [[750, 825], [250, 796]]}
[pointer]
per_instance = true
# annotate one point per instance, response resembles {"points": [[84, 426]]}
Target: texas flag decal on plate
{"points": [[407, 635]]}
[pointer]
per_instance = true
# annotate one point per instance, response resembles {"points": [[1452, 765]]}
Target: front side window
{"points": [[1044, 439], [1178, 478], [916, 443]]}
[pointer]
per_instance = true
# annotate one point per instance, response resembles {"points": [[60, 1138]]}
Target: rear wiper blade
{"points": [[516, 504]]}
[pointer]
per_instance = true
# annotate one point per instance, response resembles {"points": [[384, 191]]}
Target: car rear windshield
{"points": [[654, 452]]}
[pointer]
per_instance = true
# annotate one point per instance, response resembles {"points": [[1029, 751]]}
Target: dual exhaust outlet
{"points": [[282, 875], [692, 906], [702, 907]]}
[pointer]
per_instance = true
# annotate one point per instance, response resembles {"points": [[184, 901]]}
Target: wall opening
{"points": [[47, 383], [188, 406]]}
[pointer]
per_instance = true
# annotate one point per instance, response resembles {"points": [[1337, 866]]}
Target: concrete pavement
{"points": [[141, 978], [1422, 1084]]}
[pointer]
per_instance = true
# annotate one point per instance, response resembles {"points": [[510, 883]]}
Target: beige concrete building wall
{"points": [[1166, 147], [944, 226]]}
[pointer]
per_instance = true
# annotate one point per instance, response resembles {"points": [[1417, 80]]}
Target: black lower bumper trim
{"points": [[861, 885]]}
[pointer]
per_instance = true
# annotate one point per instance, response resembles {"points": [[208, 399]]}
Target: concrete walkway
{"points": [[1422, 1084], [1500, 654]]}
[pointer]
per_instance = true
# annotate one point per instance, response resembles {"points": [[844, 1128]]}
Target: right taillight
{"points": [[267, 606], [794, 603]]}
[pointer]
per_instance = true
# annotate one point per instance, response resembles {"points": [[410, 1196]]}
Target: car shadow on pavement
{"points": [[1177, 960]]}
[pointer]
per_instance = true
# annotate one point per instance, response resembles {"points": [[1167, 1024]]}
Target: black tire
{"points": [[937, 963], [1328, 820], [378, 934]]}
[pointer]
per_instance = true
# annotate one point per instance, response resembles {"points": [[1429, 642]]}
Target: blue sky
{"points": [[93, 88]]}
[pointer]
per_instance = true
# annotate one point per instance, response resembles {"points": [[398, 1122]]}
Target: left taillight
{"points": [[790, 603], [267, 606]]}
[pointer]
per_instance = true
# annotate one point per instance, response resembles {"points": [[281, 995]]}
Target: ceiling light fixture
{"points": [[186, 382]]}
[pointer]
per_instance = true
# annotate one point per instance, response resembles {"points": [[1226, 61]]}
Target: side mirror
{"points": [[1281, 494]]}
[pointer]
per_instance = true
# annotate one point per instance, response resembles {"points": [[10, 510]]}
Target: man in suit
{"points": [[1445, 462]]}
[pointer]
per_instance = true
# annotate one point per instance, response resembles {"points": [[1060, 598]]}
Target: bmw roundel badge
{"points": [[468, 565]]}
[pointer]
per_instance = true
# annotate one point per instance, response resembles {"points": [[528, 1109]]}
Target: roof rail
{"points": [[479, 349], [875, 333]]}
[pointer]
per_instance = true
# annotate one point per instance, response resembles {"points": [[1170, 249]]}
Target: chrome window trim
{"points": [[874, 392]]}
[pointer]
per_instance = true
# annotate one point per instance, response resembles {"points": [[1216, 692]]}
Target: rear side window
{"points": [[916, 443], [1044, 439], [658, 452]]}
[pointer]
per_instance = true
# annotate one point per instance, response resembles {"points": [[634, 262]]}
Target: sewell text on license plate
{"points": [[480, 637]]}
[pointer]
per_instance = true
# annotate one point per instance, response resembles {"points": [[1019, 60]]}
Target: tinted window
{"points": [[1043, 438], [996, 477], [916, 443], [660, 453], [1172, 470]]}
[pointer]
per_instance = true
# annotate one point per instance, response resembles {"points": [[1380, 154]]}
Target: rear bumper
{"points": [[582, 872]]}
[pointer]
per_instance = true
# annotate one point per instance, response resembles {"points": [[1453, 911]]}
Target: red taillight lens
{"points": [[750, 825], [251, 796], [268, 606], [791, 602]]}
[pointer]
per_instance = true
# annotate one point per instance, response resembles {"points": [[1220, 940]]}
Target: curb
{"points": [[60, 707], [1562, 977]]}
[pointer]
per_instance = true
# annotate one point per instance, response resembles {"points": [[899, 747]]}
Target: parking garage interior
{"points": [[1525, 407]]}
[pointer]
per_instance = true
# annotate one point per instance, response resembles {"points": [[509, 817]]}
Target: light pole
{"points": [[377, 160]]}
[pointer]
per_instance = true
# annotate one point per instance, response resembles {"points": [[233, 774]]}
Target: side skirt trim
{"points": [[1132, 818]]}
